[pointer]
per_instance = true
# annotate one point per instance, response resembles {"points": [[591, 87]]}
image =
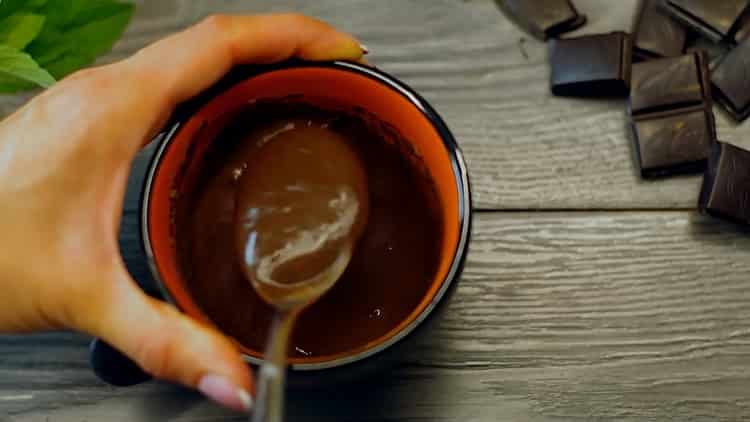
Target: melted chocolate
{"points": [[301, 208], [393, 264]]}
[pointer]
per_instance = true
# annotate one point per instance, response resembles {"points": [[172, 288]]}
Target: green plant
{"points": [[43, 40]]}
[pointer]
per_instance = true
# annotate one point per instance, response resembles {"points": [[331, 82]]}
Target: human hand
{"points": [[64, 162]]}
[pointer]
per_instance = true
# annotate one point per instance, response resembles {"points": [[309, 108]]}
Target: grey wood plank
{"points": [[525, 148], [559, 316], [574, 316]]}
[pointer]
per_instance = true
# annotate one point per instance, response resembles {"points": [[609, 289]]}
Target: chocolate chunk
{"points": [[544, 18], [670, 107], [666, 84], [672, 144], [655, 34], [743, 28], [715, 19], [731, 81], [726, 184], [714, 51], [591, 65]]}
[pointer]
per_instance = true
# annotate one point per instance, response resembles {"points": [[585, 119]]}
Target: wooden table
{"points": [[589, 294]]}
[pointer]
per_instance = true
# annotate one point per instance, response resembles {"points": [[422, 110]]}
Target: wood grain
{"points": [[560, 316], [584, 316], [525, 148]]}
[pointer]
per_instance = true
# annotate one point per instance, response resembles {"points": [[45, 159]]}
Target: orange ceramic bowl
{"points": [[188, 136]]}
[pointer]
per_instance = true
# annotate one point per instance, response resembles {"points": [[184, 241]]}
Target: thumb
{"points": [[172, 346]]}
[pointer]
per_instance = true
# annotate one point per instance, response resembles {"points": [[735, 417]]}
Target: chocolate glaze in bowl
{"points": [[394, 262]]}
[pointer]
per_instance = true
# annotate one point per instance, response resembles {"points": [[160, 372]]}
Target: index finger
{"points": [[191, 61]]}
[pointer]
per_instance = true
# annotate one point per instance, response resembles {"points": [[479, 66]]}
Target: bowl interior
{"points": [[393, 106]]}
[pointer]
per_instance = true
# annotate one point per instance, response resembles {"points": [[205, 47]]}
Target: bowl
{"points": [[364, 89]]}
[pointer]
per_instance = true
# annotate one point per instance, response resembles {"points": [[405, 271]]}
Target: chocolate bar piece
{"points": [[591, 65], [743, 28], [544, 18], [672, 122], [731, 81], [672, 144], [726, 184], [665, 84], [714, 19], [714, 51], [655, 34]]}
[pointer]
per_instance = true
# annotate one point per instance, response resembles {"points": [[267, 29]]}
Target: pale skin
{"points": [[64, 162]]}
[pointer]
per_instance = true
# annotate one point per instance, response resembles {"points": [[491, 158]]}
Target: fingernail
{"points": [[246, 399], [364, 49], [224, 392]]}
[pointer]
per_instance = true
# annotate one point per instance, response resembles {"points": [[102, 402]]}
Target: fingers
{"points": [[169, 345], [191, 61], [144, 89]]}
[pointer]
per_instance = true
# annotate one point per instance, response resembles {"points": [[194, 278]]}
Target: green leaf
{"points": [[9, 7], [97, 36], [60, 37], [18, 71], [68, 64], [12, 85], [67, 14], [79, 32], [87, 11], [47, 47], [20, 29], [59, 13]]}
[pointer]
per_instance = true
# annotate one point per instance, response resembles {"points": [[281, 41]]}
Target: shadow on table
{"points": [[718, 232], [373, 399]]}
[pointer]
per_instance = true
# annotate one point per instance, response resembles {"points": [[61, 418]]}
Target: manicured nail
{"points": [[364, 49], [246, 399], [222, 391]]}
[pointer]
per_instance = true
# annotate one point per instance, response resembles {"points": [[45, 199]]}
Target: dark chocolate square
{"points": [[731, 81], [671, 111], [714, 19], [726, 184], [714, 51], [655, 34], [668, 83], [591, 65], [543, 18], [672, 144], [743, 28]]}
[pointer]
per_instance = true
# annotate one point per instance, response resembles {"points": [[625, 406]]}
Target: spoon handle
{"points": [[272, 378]]}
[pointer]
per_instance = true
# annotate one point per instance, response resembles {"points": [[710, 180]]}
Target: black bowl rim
{"points": [[460, 171]]}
